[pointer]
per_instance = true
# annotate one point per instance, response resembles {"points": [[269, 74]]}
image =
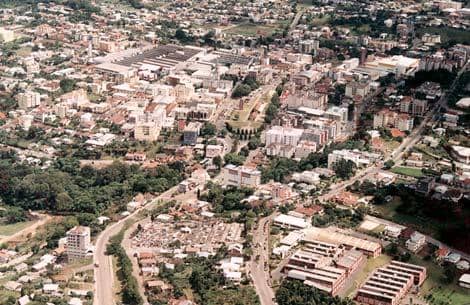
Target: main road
{"points": [[259, 263]]}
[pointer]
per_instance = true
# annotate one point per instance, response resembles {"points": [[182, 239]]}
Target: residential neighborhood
{"points": [[264, 152]]}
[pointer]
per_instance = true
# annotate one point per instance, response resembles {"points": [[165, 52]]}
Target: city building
{"points": [[28, 99], [191, 132], [360, 89], [290, 222], [78, 244], [241, 176], [416, 242], [359, 158]]}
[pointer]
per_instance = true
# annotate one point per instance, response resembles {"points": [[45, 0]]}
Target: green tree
{"points": [[208, 129], [344, 169], [14, 215], [67, 85], [234, 158]]}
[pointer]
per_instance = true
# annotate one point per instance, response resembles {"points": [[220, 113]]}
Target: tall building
{"points": [[28, 99], [360, 89], [387, 118], [283, 135], [241, 176], [78, 243]]}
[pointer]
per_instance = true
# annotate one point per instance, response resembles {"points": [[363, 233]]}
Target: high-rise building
{"points": [[78, 243]]}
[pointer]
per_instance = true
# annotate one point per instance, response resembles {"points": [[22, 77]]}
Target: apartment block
{"points": [[241, 176], [28, 99], [191, 132], [360, 89], [387, 118], [283, 135]]}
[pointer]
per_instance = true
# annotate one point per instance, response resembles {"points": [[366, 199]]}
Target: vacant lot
{"points": [[252, 29], [8, 230]]}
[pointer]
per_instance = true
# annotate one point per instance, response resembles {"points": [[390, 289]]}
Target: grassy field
{"points": [[442, 294], [360, 277], [407, 171], [8, 230], [250, 29], [320, 21]]}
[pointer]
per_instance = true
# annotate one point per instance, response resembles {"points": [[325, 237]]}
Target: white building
{"points": [[464, 280], [283, 135], [290, 222], [416, 242], [78, 243], [6, 35], [241, 176], [360, 158], [28, 99]]}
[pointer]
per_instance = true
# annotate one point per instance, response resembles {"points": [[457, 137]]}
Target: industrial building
{"points": [[389, 284]]}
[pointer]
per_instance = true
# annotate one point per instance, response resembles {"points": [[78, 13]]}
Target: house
{"points": [[24, 300], [50, 288], [12, 286], [441, 253], [158, 285], [453, 258], [75, 301], [416, 242]]}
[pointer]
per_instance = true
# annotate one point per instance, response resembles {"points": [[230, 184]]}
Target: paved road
{"points": [[259, 264], [104, 274], [296, 19]]}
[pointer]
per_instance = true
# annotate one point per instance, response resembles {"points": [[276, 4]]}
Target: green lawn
{"points": [[360, 277], [443, 294], [407, 171], [8, 230]]}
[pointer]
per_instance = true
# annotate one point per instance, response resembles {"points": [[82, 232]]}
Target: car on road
{"points": [[97, 265]]}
